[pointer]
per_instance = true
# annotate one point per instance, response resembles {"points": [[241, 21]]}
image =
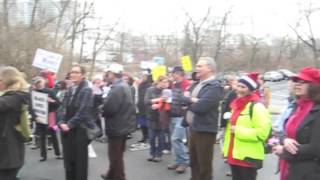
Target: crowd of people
{"points": [[186, 116]]}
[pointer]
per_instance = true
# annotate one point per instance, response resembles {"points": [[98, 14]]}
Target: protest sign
{"points": [[186, 63], [147, 65], [159, 60], [158, 71], [40, 106], [47, 60]]}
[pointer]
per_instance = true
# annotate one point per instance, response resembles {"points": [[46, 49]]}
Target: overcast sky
{"points": [[257, 17]]}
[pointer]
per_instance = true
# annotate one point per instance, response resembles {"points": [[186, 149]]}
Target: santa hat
{"points": [[250, 80]]}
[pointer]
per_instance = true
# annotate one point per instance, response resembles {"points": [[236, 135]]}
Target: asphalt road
{"points": [[137, 167]]}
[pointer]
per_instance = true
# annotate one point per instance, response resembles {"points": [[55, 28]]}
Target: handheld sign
{"points": [[147, 65], [158, 71], [47, 60], [186, 63], [40, 106], [159, 60]]}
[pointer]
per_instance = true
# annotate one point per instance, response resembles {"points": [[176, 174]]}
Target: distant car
{"points": [[286, 73], [273, 76]]}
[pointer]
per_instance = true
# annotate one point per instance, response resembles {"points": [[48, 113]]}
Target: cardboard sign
{"points": [[40, 106], [147, 65], [159, 60], [186, 63], [47, 60], [158, 71]]}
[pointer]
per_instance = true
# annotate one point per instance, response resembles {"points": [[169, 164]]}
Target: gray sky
{"points": [[258, 17]]}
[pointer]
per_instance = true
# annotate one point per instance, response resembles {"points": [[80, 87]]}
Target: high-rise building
{"points": [[40, 12]]}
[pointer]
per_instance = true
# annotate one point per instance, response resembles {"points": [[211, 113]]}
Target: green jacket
{"points": [[250, 134]]}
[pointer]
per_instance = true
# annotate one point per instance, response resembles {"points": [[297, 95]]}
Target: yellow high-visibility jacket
{"points": [[250, 133]]}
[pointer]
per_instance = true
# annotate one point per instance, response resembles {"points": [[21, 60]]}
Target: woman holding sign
{"points": [[47, 126], [12, 150]]}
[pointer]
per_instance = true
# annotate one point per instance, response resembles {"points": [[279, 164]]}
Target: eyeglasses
{"points": [[300, 81]]}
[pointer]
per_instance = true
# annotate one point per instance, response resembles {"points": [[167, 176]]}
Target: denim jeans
{"points": [[156, 140], [178, 134]]}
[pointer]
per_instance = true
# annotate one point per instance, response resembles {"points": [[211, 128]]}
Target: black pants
{"points": [[144, 130], [44, 131], [116, 148], [75, 153], [243, 173], [9, 174]]}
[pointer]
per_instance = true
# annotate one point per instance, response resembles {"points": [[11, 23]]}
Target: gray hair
{"points": [[210, 62]]}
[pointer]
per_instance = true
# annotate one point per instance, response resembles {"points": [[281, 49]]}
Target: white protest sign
{"points": [[147, 65], [47, 60], [40, 106]]}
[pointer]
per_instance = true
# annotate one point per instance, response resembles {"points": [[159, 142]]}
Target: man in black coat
{"points": [[78, 113], [119, 115], [202, 117]]}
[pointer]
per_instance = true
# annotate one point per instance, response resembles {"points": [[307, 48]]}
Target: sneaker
{"points": [[228, 173], [43, 159], [181, 169], [150, 158], [172, 167], [142, 141], [145, 146], [105, 177], [135, 145], [35, 147], [129, 136], [59, 157], [166, 151], [157, 159]]}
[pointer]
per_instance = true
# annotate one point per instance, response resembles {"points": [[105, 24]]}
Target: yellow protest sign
{"points": [[186, 63], [158, 71]]}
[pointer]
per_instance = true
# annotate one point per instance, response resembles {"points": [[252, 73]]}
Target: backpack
{"points": [[267, 147], [23, 127]]}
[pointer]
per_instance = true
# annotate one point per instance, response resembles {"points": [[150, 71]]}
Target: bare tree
{"points": [[75, 25], [62, 7], [255, 48], [5, 14], [34, 14], [196, 33], [122, 39], [100, 43], [308, 38], [222, 34]]}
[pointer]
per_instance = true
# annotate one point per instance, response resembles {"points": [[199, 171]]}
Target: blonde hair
{"points": [[160, 79], [13, 79]]}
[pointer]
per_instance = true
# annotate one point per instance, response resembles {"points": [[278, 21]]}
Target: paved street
{"points": [[137, 167]]}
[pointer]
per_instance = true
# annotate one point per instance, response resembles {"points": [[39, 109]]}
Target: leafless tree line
{"points": [[23, 32], [207, 36]]}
